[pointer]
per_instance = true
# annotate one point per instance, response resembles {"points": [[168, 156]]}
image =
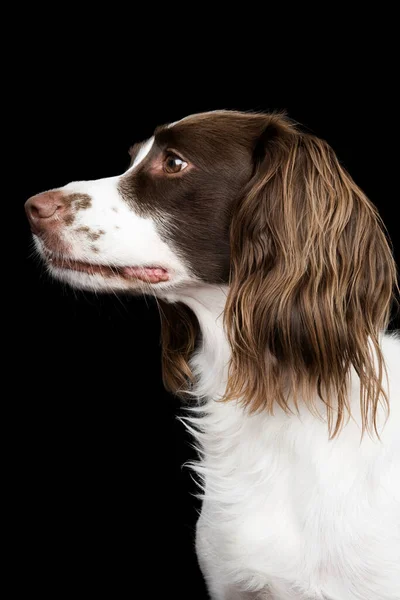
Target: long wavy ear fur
{"points": [[179, 333], [311, 284]]}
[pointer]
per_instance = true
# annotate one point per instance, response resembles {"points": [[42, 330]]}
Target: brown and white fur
{"points": [[274, 279]]}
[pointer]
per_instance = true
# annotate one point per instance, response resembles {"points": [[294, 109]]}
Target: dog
{"points": [[274, 279]]}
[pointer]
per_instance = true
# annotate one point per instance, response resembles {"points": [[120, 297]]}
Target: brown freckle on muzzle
{"points": [[73, 203], [94, 249], [69, 219], [79, 201], [92, 235]]}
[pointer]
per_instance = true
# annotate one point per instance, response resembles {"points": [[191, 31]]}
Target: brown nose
{"points": [[42, 210]]}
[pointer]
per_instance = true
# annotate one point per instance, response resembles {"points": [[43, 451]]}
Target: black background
{"points": [[104, 505]]}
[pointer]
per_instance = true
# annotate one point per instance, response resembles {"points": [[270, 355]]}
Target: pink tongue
{"points": [[152, 275]]}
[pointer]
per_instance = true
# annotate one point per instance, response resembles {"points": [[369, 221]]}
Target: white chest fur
{"points": [[285, 509]]}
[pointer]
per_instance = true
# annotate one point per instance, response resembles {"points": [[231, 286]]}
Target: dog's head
{"points": [[250, 201], [165, 222]]}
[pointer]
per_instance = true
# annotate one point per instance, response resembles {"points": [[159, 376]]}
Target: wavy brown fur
{"points": [[179, 333], [312, 278]]}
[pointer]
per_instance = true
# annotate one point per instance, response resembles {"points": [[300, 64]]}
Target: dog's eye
{"points": [[173, 163]]}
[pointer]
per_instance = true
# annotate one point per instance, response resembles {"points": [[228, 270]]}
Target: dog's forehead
{"points": [[200, 123], [201, 118], [212, 121], [210, 130]]}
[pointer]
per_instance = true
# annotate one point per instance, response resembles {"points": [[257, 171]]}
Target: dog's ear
{"points": [[311, 282]]}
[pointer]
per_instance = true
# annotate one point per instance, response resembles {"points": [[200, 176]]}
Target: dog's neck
{"points": [[210, 362]]}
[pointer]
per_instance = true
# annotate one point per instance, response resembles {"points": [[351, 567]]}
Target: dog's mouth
{"points": [[148, 274]]}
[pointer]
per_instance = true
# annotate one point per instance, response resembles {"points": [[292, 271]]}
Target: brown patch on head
{"points": [[94, 249], [83, 229]]}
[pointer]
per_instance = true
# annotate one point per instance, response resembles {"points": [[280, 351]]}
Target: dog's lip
{"points": [[149, 274]]}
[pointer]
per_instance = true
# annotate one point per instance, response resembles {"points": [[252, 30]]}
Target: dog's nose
{"points": [[43, 209]]}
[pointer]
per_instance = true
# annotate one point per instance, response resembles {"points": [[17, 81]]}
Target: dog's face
{"points": [[164, 222]]}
